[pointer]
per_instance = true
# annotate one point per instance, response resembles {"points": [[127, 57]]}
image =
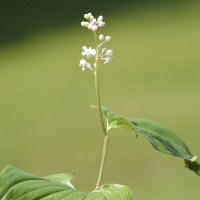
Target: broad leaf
{"points": [[159, 136], [111, 192], [18, 185]]}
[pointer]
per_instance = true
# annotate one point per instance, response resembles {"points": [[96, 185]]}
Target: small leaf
{"points": [[18, 185], [62, 178], [111, 192], [93, 106], [159, 136]]}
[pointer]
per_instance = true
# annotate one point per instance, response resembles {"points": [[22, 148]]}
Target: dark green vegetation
{"points": [[47, 126], [23, 18]]}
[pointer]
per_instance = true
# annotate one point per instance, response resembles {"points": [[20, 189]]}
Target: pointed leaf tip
{"points": [[93, 106], [62, 178], [16, 184], [160, 137]]}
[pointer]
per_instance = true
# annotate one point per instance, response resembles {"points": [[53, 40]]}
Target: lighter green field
{"points": [[48, 127]]}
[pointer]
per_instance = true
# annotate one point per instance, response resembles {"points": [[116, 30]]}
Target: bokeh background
{"points": [[46, 123]]}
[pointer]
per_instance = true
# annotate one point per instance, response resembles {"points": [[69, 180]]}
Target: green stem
{"points": [[105, 148], [106, 134], [97, 86]]}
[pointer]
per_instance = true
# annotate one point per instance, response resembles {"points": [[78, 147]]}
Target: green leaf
{"points": [[111, 192], [159, 136], [62, 178], [18, 185]]}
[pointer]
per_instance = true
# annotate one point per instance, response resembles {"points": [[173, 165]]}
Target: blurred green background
{"points": [[46, 123]]}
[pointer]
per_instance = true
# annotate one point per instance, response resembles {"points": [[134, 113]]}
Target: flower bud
{"points": [[89, 15], [100, 18], [101, 24], [94, 20], [104, 50], [94, 28], [108, 38], [82, 62], [109, 52], [101, 37], [108, 59], [86, 16], [90, 26], [82, 23], [92, 17], [87, 24]]}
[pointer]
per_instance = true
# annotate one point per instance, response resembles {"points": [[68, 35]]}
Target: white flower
{"points": [[94, 28], [90, 26], [101, 37], [101, 24], [87, 24], [104, 50], [100, 18], [92, 51], [84, 64], [83, 23], [89, 14], [93, 21], [108, 59], [88, 52], [109, 53], [86, 16], [93, 24], [108, 38]]}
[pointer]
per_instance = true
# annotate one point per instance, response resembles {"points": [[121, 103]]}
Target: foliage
{"points": [[159, 136], [16, 184]]}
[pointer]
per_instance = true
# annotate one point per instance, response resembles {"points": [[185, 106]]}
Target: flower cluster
{"points": [[93, 24], [93, 52]]}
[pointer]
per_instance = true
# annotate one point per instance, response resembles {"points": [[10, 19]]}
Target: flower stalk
{"points": [[97, 86], [103, 159], [93, 25]]}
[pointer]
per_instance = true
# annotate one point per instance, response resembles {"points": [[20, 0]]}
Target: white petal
{"points": [[108, 38], [100, 18], [93, 52], [101, 24], [87, 24], [108, 59], [104, 50], [84, 48], [101, 37], [90, 27], [82, 62], [88, 55], [88, 65], [89, 14], [109, 52], [83, 24], [94, 20], [86, 16], [94, 28]]}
